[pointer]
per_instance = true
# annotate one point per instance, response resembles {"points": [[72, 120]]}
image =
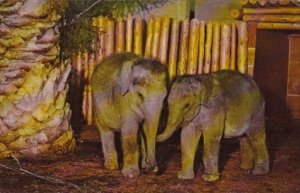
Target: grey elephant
{"points": [[221, 104], [128, 92]]}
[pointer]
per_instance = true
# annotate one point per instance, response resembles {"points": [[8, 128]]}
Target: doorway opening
{"points": [[277, 72]]}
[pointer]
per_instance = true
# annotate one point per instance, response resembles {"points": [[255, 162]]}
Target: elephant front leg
{"points": [[149, 142], [129, 134], [109, 149], [190, 137], [146, 163], [210, 157]]}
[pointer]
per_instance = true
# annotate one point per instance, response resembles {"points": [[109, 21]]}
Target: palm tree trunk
{"points": [[34, 114]]}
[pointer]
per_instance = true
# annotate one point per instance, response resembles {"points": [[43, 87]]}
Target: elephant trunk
{"points": [[172, 124], [151, 123]]}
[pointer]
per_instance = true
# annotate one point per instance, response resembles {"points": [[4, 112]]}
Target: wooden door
{"points": [[270, 71], [293, 88]]}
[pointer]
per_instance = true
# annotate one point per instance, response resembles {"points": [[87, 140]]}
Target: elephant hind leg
{"points": [[247, 154], [261, 162], [257, 138], [108, 144], [109, 149]]}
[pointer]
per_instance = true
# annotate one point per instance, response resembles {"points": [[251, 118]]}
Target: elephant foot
{"points": [[186, 175], [155, 169], [111, 165], [211, 177], [130, 171], [246, 165], [149, 167], [145, 164], [261, 169]]}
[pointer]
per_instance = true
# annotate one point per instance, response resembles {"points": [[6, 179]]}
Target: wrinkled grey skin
{"points": [[128, 91], [221, 104]]}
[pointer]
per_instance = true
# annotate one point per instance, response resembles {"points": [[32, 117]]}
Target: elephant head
{"points": [[187, 95], [144, 80], [144, 83]]}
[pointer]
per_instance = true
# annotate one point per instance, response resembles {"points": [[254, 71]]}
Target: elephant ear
{"points": [[209, 87], [125, 79]]}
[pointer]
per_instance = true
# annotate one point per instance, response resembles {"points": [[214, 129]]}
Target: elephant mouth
{"points": [[184, 122]]}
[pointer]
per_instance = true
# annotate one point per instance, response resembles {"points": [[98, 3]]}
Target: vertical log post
{"points": [[233, 47], [120, 36], [193, 47], [242, 47], [201, 47], [100, 51], [173, 49], [149, 39], [110, 37], [208, 44], [215, 47], [183, 48], [129, 34], [225, 47], [164, 37], [78, 69], [156, 35], [138, 36], [95, 41], [91, 66], [85, 61]]}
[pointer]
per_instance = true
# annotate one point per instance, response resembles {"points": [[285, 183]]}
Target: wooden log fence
{"points": [[270, 2], [185, 47], [285, 17]]}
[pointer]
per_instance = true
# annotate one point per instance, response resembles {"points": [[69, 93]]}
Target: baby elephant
{"points": [[224, 103], [128, 92]]}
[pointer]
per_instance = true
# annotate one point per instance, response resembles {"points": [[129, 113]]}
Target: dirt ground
{"points": [[83, 171]]}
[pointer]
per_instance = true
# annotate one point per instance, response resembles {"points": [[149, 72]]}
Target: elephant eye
{"points": [[138, 82], [186, 106], [140, 96]]}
